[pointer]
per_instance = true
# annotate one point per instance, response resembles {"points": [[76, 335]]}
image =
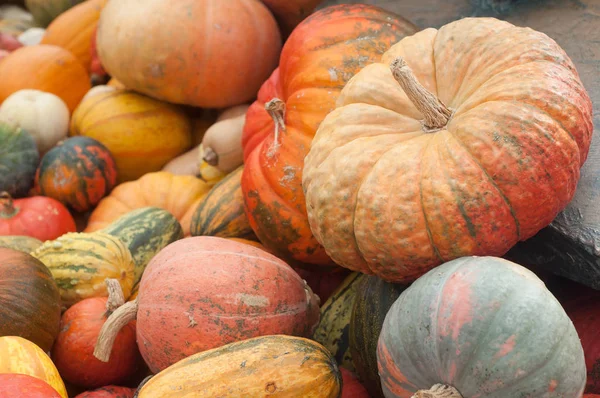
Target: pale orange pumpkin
{"points": [[46, 68]]}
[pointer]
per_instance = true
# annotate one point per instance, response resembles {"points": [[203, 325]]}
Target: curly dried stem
{"points": [[438, 391], [115, 296], [7, 208], [435, 112], [276, 108], [117, 321]]}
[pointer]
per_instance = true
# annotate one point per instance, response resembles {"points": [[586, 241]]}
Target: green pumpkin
{"points": [[25, 244], [484, 326], [19, 158], [45, 11]]}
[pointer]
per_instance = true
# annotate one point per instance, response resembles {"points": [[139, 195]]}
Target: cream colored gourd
{"points": [[186, 164], [43, 115], [221, 148], [98, 90], [32, 36]]}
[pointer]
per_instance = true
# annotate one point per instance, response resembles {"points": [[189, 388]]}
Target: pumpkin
{"points": [[187, 164], [518, 123], [46, 68], [121, 120], [43, 115], [202, 120], [186, 56], [38, 217], [179, 195], [221, 211], [25, 244], [45, 11], [73, 352], [80, 262], [79, 172], [18, 355], [182, 307], [263, 366], [249, 242], [333, 43], [374, 298], [333, 329], [109, 392], [15, 20], [291, 12], [29, 299], [352, 387], [19, 158], [145, 232], [73, 30], [469, 325], [25, 386]]}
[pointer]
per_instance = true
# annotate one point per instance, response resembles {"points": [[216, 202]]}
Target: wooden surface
{"points": [[570, 246]]}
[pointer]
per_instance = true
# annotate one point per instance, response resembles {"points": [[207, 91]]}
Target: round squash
{"points": [[43, 115], [109, 392], [333, 44], [123, 121], [14, 385], [21, 356], [179, 195], [73, 30], [46, 68], [19, 159], [45, 11], [204, 292], [221, 211], [374, 298], [78, 172], [29, 299], [193, 52], [480, 327], [351, 386], [25, 244], [264, 366], [80, 262], [465, 153]]}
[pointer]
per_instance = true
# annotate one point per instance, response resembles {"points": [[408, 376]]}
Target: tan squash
{"points": [[186, 164]]}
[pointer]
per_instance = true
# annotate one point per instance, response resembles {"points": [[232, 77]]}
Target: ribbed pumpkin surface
{"points": [[80, 262], [274, 366], [18, 355]]}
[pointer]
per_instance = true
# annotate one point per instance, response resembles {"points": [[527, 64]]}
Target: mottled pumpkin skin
{"points": [[374, 298], [387, 198], [25, 386], [274, 366], [204, 292], [487, 327], [73, 351], [45, 11], [29, 299], [78, 173], [19, 158], [109, 392], [320, 56], [221, 211], [18, 355]]}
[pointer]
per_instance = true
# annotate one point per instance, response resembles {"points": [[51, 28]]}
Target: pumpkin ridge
{"points": [[128, 116], [102, 97], [425, 219]]}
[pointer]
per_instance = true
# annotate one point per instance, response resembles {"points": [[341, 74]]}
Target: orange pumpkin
{"points": [[189, 51], [320, 56], [73, 30], [180, 195], [46, 68]]}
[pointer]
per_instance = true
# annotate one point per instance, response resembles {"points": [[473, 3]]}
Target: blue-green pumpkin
{"points": [[19, 158]]}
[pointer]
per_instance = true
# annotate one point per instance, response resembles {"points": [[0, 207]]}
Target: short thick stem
{"points": [[117, 321], [438, 391], [7, 207], [210, 157], [276, 108], [115, 296], [436, 114]]}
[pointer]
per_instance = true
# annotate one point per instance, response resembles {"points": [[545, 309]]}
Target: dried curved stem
{"points": [[435, 112], [117, 321], [276, 108], [438, 391], [115, 296]]}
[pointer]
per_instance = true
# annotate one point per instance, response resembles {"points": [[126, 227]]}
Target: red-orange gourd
{"points": [[320, 56], [109, 392], [14, 385], [433, 157]]}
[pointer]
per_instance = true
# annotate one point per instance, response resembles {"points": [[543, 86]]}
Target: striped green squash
{"points": [[25, 244], [145, 231]]}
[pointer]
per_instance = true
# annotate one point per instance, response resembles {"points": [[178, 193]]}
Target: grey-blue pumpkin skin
{"points": [[487, 327], [19, 158]]}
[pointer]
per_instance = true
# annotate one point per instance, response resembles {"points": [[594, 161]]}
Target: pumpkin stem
{"points": [[210, 157], [115, 322], [115, 296], [436, 113], [7, 208], [438, 391], [276, 108]]}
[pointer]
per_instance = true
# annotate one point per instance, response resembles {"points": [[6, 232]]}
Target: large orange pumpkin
{"points": [[210, 53], [73, 30], [434, 157], [180, 195], [46, 68], [320, 56]]}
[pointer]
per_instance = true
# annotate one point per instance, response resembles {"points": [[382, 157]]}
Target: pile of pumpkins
{"points": [[290, 203]]}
